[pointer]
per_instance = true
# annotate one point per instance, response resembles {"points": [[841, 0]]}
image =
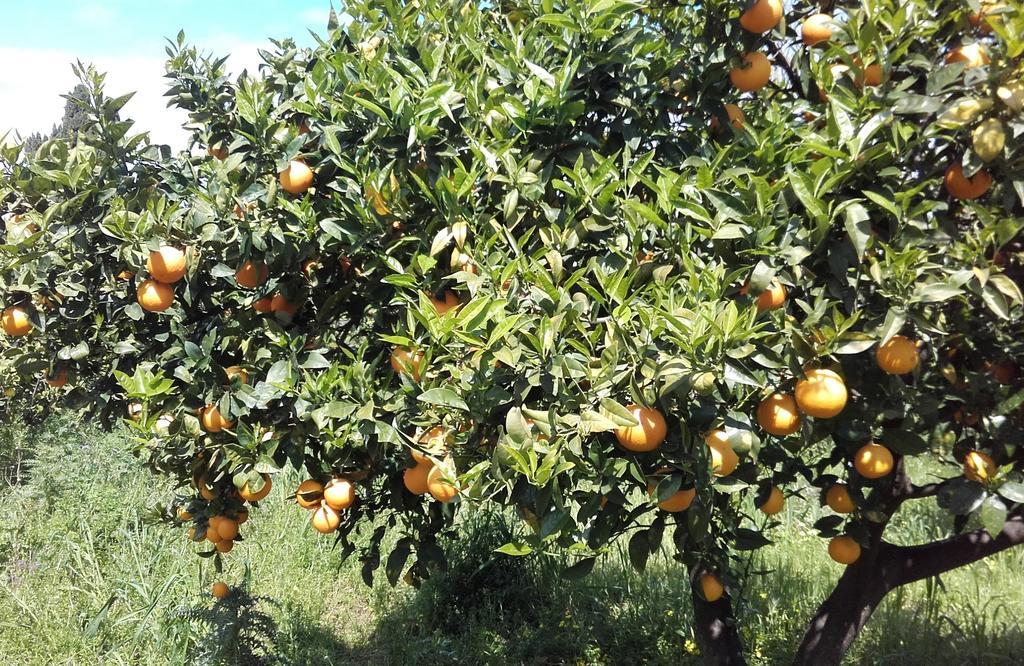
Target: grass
{"points": [[85, 577]]}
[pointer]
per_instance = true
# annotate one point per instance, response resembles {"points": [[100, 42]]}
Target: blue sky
{"points": [[38, 40]]}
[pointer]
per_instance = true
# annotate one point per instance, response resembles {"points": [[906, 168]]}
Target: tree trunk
{"points": [[841, 617], [863, 585], [715, 627]]}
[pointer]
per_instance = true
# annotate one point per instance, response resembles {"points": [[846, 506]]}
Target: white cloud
{"points": [[94, 15], [317, 17]]}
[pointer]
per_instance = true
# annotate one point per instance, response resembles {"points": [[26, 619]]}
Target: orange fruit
{"points": [[220, 590], [972, 55], [227, 528], [438, 487], [838, 498], [125, 275], [762, 16], [723, 459], [135, 411], [980, 19], [679, 501], [407, 361], [16, 322], [873, 461], [435, 440], [647, 435], [249, 495], [772, 298], [870, 75], [1004, 372], [325, 519], [816, 28], [217, 151], [297, 178], [212, 535], [753, 74], [415, 478], [236, 372], [212, 420], [183, 514], [251, 274], [241, 516], [58, 378], [979, 466], [960, 186], [339, 494], [263, 305], [450, 302], [898, 356], [735, 115], [777, 415], [224, 546], [207, 492], [167, 264], [711, 588], [309, 493], [154, 296], [774, 503], [844, 550], [281, 304], [821, 393]]}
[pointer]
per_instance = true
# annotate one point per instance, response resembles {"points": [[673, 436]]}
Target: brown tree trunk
{"points": [[715, 626], [862, 586]]}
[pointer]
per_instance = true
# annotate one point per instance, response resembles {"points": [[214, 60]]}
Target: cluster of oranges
{"points": [[220, 528], [429, 474], [325, 501], [166, 265]]}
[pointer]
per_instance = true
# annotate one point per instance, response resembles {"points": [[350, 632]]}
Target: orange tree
{"points": [[635, 270]]}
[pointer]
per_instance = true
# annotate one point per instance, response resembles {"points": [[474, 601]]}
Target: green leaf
{"points": [[514, 549], [1013, 491], [992, 515], [444, 398]]}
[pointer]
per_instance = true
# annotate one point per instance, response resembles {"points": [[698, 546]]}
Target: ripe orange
{"points": [[154, 296], [873, 461], [125, 275], [234, 372], [735, 115], [297, 178], [898, 356], [339, 494], [16, 322], [212, 420], [167, 264], [450, 302], [135, 411], [774, 503], [711, 588], [212, 535], [960, 186], [439, 488], [227, 528], [870, 75], [772, 298], [980, 20], [435, 440], [777, 415], [817, 28], [979, 466], [263, 305], [281, 304], [58, 378], [972, 55], [250, 495], [839, 500], [1004, 372], [821, 393], [723, 459], [844, 550], [407, 361], [251, 274], [325, 519], [415, 478], [647, 435], [753, 74], [220, 590], [218, 151], [679, 501], [309, 493], [206, 491], [183, 514], [224, 546], [762, 16], [241, 516]]}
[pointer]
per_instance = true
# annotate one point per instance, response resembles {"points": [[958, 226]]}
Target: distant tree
{"points": [[75, 117]]}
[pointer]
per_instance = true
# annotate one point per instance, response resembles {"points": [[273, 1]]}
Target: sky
{"points": [[39, 39]]}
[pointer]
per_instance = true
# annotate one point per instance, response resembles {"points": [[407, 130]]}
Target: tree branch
{"points": [[780, 60], [927, 490], [914, 563]]}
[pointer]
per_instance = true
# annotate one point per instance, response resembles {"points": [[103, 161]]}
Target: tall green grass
{"points": [[86, 577]]}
